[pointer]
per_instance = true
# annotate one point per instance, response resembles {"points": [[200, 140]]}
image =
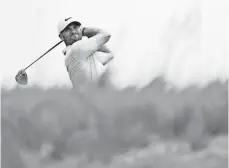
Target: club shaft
{"points": [[43, 55]]}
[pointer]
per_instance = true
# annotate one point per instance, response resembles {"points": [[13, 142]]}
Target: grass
{"points": [[109, 128]]}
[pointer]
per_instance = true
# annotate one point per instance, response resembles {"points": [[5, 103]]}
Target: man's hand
{"points": [[90, 32]]}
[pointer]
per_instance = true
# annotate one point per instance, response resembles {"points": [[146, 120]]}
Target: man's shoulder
{"points": [[80, 49], [77, 46], [84, 44], [73, 57]]}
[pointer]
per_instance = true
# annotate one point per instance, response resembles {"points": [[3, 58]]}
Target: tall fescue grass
{"points": [[105, 122]]}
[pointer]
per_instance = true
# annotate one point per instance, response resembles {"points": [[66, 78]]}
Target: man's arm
{"points": [[104, 55], [96, 39], [90, 32], [104, 49]]}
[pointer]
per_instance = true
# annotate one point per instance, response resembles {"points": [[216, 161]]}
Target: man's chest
{"points": [[81, 66]]}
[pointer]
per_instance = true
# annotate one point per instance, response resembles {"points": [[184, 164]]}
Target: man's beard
{"points": [[71, 41]]}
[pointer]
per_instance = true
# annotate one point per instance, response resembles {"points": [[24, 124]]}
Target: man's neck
{"points": [[67, 44]]}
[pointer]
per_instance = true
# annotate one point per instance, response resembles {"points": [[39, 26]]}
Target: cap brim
{"points": [[78, 23]]}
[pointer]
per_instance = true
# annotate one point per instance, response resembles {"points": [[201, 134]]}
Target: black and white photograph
{"points": [[114, 84]]}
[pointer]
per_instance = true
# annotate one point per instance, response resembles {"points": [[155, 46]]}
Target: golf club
{"points": [[22, 77]]}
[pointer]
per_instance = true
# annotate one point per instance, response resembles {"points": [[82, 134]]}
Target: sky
{"points": [[184, 40]]}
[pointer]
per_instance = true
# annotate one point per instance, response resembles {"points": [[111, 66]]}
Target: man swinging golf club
{"points": [[80, 54]]}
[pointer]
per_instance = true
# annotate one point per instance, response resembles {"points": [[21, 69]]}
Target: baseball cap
{"points": [[65, 22]]}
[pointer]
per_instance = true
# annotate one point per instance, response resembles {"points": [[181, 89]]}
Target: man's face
{"points": [[71, 34]]}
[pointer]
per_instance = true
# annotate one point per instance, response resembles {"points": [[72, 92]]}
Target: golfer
{"points": [[81, 54]]}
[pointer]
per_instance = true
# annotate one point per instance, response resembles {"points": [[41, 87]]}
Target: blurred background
{"points": [[162, 101]]}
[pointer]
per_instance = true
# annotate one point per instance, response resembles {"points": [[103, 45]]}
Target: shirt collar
{"points": [[65, 50]]}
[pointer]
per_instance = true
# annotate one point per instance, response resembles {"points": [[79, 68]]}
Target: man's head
{"points": [[70, 30]]}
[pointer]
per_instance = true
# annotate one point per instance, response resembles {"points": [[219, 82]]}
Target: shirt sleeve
{"points": [[103, 57], [84, 48]]}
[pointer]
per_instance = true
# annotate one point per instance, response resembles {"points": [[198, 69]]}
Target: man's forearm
{"points": [[90, 32], [105, 49]]}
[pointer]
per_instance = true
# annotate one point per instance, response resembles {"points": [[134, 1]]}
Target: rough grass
{"points": [[108, 128]]}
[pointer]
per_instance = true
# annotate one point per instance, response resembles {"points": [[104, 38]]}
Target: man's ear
{"points": [[81, 29], [61, 36]]}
